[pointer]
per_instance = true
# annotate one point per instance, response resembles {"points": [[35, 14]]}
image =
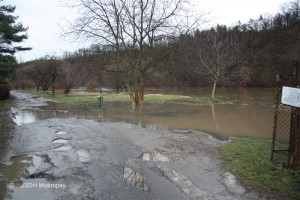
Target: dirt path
{"points": [[84, 159]]}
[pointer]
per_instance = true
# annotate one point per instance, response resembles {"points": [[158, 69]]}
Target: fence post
{"points": [[297, 133], [297, 140], [275, 116], [292, 143]]}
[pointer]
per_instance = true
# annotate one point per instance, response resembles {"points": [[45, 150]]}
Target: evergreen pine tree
{"points": [[11, 32]]}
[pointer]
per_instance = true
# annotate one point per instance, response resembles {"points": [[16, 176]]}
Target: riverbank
{"points": [[92, 160]]}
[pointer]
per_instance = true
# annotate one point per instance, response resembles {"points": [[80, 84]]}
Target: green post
{"points": [[100, 101]]}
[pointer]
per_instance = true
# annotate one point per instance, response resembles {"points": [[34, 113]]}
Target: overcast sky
{"points": [[43, 16]]}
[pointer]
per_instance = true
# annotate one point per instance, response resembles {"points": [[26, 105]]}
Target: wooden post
{"points": [[297, 136], [291, 157], [297, 133], [297, 140]]}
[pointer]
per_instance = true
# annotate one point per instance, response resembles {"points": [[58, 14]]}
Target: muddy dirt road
{"points": [[84, 159]]}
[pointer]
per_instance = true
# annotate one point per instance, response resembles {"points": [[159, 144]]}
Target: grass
{"points": [[91, 97], [248, 159]]}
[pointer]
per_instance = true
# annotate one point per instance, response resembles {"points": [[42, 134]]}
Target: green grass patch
{"points": [[248, 159], [91, 97], [178, 99]]}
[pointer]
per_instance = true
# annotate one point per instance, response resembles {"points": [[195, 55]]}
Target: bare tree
{"points": [[134, 29], [22, 76], [38, 74], [53, 69], [219, 50], [66, 78]]}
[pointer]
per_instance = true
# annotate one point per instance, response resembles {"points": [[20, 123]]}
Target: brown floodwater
{"points": [[250, 114]]}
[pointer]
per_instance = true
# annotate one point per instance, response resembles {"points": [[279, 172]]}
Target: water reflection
{"points": [[135, 178], [60, 141], [11, 173], [24, 117]]}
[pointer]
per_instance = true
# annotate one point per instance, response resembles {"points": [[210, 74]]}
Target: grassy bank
{"points": [[248, 159], [91, 97]]}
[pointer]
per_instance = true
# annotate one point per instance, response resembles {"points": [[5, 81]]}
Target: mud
{"points": [[104, 161]]}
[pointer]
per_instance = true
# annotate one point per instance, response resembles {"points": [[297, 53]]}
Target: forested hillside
{"points": [[246, 55]]}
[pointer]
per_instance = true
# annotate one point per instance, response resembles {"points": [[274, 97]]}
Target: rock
{"points": [[84, 156], [155, 157], [230, 182]]}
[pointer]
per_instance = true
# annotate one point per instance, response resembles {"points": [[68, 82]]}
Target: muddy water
{"points": [[13, 185], [251, 113]]}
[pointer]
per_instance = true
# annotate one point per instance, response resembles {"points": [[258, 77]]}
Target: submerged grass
{"points": [[91, 97], [248, 158]]}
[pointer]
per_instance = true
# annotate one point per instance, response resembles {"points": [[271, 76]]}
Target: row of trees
{"points": [[44, 73], [149, 42]]}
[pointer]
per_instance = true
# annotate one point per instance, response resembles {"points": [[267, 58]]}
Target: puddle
{"points": [[32, 189], [63, 148], [179, 131], [155, 157], [61, 141], [84, 156], [61, 132], [23, 117], [135, 178], [11, 173]]}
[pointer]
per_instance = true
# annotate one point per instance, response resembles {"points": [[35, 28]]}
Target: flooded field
{"points": [[251, 113], [57, 154]]}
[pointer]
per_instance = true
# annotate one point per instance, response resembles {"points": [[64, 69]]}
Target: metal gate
{"points": [[285, 148]]}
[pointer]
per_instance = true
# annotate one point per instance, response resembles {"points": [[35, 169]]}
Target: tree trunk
{"points": [[133, 103], [215, 83], [53, 84], [214, 89], [132, 99], [53, 88], [141, 92]]}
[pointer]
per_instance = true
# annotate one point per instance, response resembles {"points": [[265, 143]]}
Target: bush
{"points": [[92, 84], [4, 91]]}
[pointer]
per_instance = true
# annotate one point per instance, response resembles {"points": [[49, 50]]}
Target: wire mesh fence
{"points": [[285, 125]]}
